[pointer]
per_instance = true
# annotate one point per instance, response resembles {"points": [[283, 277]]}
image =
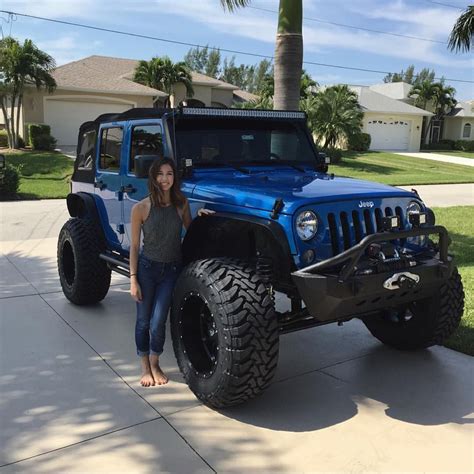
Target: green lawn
{"points": [[43, 175], [460, 154], [400, 170], [461, 230]]}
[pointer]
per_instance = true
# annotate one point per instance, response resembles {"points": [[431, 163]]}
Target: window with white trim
{"points": [[466, 131]]}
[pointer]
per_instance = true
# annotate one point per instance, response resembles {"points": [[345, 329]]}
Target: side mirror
{"points": [[143, 163]]}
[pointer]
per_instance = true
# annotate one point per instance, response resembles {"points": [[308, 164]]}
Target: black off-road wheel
{"points": [[423, 323], [85, 278], [225, 331]]}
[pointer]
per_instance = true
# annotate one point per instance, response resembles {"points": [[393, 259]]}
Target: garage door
{"points": [[65, 117], [389, 134]]}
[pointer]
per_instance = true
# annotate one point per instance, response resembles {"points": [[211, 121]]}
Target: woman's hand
{"points": [[205, 212], [135, 290]]}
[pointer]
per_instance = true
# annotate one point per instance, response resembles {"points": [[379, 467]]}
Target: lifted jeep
{"points": [[339, 248]]}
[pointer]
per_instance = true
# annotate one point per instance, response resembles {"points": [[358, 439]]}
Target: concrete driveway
{"points": [[71, 402]]}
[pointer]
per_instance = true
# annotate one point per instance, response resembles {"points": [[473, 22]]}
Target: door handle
{"points": [[129, 189], [100, 184]]}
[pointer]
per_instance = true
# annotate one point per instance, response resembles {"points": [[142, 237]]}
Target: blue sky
{"points": [[252, 30]]}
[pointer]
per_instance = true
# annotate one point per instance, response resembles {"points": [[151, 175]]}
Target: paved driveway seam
{"points": [[82, 441], [131, 388], [321, 369]]}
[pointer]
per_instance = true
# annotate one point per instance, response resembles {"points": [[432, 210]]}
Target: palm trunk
{"points": [[12, 122], [18, 113], [288, 55], [7, 122]]}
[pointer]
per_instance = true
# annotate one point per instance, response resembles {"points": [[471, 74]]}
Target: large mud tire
{"points": [[85, 278], [424, 323], [225, 331]]}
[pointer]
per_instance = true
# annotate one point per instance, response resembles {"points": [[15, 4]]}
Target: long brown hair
{"points": [[156, 194]]}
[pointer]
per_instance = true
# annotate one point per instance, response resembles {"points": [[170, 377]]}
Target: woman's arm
{"points": [[187, 218], [137, 219]]}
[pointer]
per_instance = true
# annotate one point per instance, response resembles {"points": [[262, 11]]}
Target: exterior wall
{"points": [[222, 96], [34, 101], [454, 126], [415, 126], [452, 129], [202, 93]]}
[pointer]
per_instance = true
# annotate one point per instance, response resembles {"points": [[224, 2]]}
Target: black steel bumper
{"points": [[336, 296]]}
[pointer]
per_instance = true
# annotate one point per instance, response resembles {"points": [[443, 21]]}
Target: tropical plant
{"points": [[163, 74], [262, 103], [462, 32], [334, 114], [435, 97], [21, 65], [288, 51]]}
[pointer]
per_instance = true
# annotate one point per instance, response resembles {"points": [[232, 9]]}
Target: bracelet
{"points": [[133, 275]]}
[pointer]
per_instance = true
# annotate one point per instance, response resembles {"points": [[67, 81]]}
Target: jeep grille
{"points": [[348, 228]]}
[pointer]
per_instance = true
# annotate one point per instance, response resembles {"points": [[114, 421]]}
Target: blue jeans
{"points": [[156, 280]]}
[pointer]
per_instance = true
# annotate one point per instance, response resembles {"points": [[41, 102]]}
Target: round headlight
{"points": [[413, 208], [306, 225]]}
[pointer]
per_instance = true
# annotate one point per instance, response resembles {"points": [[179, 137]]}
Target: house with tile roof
{"points": [[98, 84]]}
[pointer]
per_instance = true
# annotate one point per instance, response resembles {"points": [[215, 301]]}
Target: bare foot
{"points": [[147, 379], [158, 375]]}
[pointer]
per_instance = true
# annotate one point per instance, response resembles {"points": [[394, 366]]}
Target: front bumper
{"points": [[333, 296]]}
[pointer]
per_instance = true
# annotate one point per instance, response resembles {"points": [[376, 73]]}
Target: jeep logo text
{"points": [[366, 204]]}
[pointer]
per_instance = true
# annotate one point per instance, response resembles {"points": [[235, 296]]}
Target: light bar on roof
{"points": [[214, 112]]}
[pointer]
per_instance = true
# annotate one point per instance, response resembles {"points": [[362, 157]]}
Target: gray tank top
{"points": [[162, 234]]}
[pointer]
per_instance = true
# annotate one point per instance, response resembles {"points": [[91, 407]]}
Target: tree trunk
{"points": [[7, 122], [18, 113], [288, 55], [13, 144]]}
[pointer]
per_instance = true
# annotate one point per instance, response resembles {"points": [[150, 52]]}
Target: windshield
{"points": [[220, 141]]}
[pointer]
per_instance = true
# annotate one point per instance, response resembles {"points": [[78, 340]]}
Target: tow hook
{"points": [[403, 280]]}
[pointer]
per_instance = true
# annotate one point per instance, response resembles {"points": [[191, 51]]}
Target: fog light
{"points": [[308, 257], [390, 223], [417, 219]]}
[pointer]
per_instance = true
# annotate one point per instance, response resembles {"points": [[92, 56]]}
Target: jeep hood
{"points": [[259, 190]]}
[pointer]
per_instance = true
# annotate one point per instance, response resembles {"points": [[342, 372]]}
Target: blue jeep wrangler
{"points": [[339, 248]]}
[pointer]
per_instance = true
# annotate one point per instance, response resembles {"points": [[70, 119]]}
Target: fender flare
{"points": [[268, 228]]}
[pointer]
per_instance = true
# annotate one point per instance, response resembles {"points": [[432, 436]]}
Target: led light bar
{"points": [[217, 112]]}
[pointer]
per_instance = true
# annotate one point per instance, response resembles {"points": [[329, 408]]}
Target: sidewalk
{"points": [[455, 160], [445, 195]]}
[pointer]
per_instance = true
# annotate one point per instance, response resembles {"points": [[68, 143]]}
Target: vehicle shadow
{"points": [[432, 387]]}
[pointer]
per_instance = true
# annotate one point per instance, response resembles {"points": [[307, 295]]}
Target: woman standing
{"points": [[153, 273]]}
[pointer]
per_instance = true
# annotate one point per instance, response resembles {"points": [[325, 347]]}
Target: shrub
{"points": [[10, 182], [451, 143], [334, 153], [36, 129], [464, 145], [436, 146], [3, 138], [359, 142], [43, 142]]}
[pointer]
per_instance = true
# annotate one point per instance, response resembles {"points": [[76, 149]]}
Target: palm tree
{"points": [[21, 65], [463, 30], [163, 74], [435, 97], [423, 93], [333, 114], [288, 51]]}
